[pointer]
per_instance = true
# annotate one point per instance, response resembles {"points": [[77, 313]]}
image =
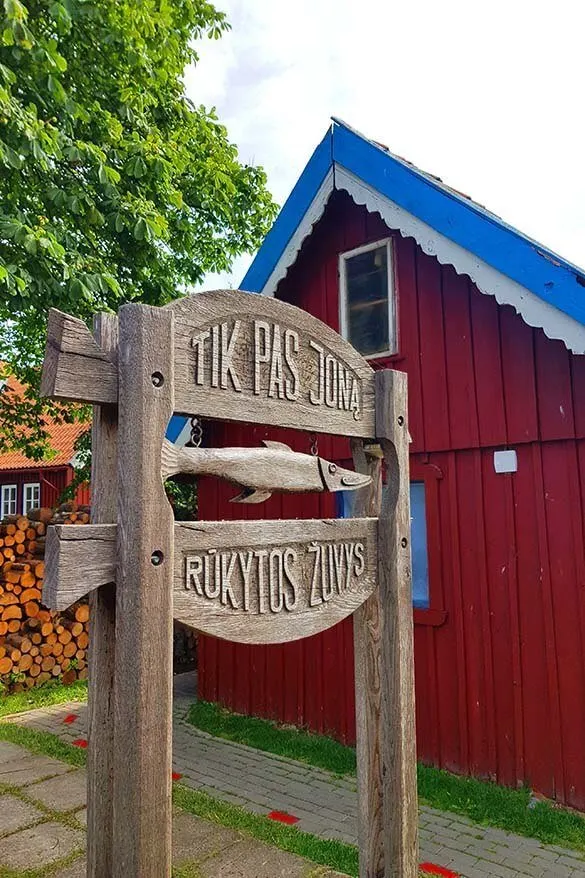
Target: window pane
{"points": [[418, 538], [31, 496], [368, 329], [367, 301], [8, 500], [418, 542]]}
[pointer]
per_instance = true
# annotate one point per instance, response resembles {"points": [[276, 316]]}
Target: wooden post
{"points": [[102, 601], [143, 726], [383, 642], [366, 640], [397, 720]]}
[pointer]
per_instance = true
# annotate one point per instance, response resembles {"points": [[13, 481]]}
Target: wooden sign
{"points": [[240, 357], [261, 362], [272, 581], [246, 581]]}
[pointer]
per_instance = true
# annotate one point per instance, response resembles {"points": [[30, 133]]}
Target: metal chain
{"points": [[196, 436], [314, 445]]}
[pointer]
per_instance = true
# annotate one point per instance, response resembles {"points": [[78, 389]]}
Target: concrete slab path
{"points": [[324, 804], [43, 819]]}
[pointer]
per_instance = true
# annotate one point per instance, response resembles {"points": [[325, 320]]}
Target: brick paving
{"points": [[325, 804]]}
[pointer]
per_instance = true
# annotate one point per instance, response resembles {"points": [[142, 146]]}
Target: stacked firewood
{"points": [[71, 513], [37, 645]]}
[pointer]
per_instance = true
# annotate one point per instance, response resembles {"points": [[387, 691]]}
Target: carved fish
{"points": [[260, 471]]}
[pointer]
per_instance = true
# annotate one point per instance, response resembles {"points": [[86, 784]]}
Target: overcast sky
{"points": [[488, 96]]}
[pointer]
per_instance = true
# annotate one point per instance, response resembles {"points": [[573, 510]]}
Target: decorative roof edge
{"points": [[289, 254], [294, 210], [533, 310], [543, 288]]}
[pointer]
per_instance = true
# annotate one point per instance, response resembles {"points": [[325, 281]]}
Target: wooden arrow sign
{"points": [[246, 581]]}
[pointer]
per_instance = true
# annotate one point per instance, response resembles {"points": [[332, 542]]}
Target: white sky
{"points": [[488, 96]]}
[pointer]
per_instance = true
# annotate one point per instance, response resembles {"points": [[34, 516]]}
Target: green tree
{"points": [[113, 186]]}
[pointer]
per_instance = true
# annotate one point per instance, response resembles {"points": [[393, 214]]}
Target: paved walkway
{"points": [[326, 805], [43, 819]]}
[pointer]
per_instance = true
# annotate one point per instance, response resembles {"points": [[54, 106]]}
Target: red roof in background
{"points": [[62, 440]]}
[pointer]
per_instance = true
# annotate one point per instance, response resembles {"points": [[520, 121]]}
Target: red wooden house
{"points": [[25, 483], [490, 327]]}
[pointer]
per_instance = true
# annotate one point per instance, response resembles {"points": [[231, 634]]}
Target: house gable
{"points": [[544, 289], [479, 377]]}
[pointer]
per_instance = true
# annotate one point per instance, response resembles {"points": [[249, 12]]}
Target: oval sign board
{"points": [[244, 357], [248, 581], [272, 581]]}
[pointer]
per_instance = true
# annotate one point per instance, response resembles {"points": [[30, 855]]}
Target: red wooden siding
{"points": [[52, 481], [500, 657]]}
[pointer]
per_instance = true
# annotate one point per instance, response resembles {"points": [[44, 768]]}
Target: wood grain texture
{"points": [[143, 661], [75, 366], [396, 656], [244, 357], [102, 601], [77, 560], [367, 634], [272, 581]]}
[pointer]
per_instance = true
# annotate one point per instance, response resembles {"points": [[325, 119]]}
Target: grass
{"points": [[327, 853], [45, 872], [264, 735], [512, 810], [484, 803], [43, 696], [480, 801], [43, 743]]}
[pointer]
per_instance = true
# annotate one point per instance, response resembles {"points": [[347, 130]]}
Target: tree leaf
{"points": [[140, 229], [113, 187], [10, 157]]}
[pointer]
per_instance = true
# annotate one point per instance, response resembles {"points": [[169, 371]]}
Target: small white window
{"points": [[31, 496], [366, 299], [8, 500]]}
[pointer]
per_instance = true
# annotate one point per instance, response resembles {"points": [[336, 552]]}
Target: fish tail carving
{"points": [[169, 460], [249, 495]]}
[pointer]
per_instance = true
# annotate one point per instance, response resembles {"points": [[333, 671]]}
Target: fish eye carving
{"points": [[332, 468]]}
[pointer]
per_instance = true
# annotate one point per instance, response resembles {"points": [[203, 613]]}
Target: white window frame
{"points": [[25, 499], [343, 317], [6, 490]]}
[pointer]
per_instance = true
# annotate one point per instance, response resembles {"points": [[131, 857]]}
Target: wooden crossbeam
{"points": [[75, 366], [77, 560]]}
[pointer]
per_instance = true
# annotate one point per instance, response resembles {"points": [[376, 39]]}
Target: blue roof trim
{"points": [[538, 269], [549, 277], [175, 427], [289, 217]]}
